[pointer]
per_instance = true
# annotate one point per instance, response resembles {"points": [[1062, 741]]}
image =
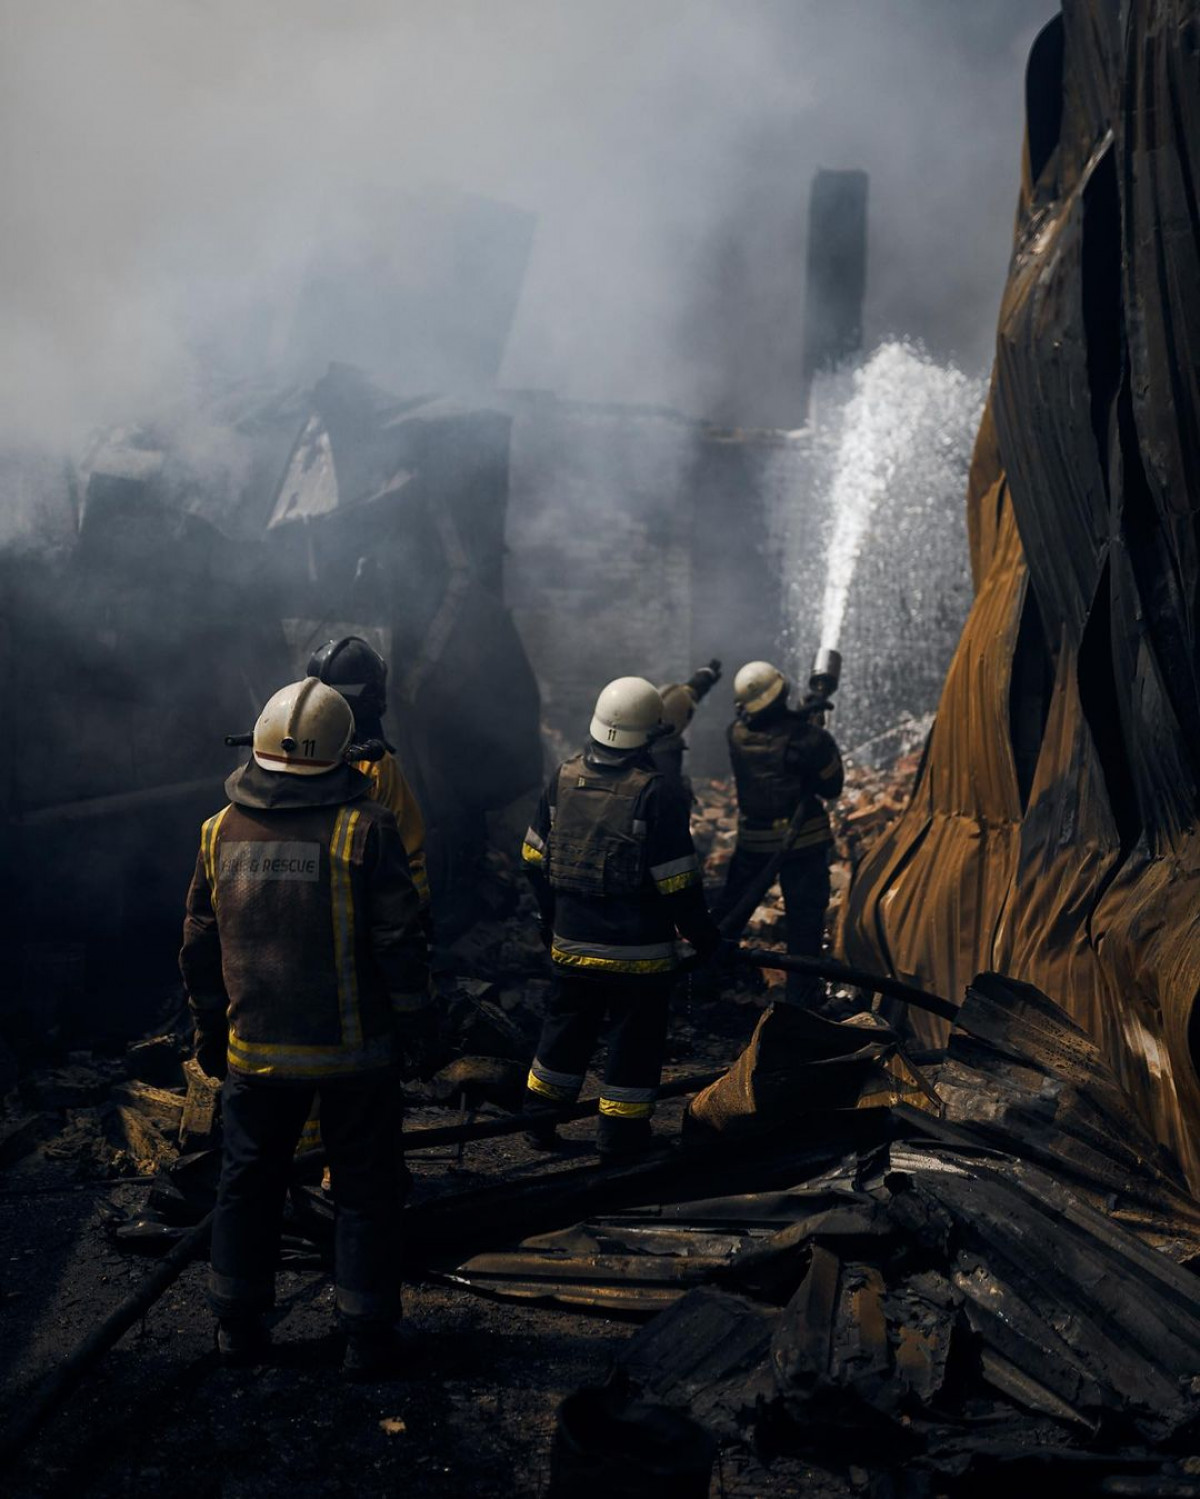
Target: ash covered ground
{"points": [[86, 1140]]}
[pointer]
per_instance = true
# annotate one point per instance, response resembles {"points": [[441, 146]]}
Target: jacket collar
{"points": [[271, 791], [604, 757]]}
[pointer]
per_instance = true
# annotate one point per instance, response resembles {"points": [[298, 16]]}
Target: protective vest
{"points": [[597, 843], [775, 783], [767, 787], [291, 895]]}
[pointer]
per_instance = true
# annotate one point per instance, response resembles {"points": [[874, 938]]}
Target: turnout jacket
{"points": [[302, 931], [391, 790], [784, 767], [611, 858]]}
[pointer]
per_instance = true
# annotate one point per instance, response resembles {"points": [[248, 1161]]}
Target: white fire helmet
{"points": [[627, 711], [757, 685], [304, 729]]}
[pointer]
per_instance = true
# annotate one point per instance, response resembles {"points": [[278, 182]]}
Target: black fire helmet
{"points": [[358, 672]]}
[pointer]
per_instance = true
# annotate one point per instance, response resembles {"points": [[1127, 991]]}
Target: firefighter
{"points": [[611, 859], [786, 766], [305, 964], [359, 673], [680, 700], [357, 670]]}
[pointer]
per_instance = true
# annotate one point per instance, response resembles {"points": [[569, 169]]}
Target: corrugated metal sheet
{"points": [[1053, 832]]}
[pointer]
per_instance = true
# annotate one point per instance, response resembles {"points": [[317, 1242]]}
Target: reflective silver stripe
{"points": [[674, 867], [534, 840], [612, 950], [367, 1304], [629, 1095], [760, 838], [546, 1074], [639, 828], [235, 1293]]}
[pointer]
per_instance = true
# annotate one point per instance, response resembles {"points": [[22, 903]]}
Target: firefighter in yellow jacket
{"points": [[616, 876], [356, 669], [305, 963], [359, 673]]}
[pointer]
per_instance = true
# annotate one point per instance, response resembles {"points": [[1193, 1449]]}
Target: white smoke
{"points": [[170, 167]]}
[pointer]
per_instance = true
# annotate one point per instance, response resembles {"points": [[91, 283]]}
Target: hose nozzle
{"points": [[826, 672]]}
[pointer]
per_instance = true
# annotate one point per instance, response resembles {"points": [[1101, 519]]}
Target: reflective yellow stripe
{"points": [[269, 1059], [678, 882], [532, 855], [535, 1084], [310, 1135], [420, 877], [342, 896], [612, 965], [616, 1108], [208, 848], [832, 768]]}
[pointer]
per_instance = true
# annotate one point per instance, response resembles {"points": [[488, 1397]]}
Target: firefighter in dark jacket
{"points": [[611, 858], [306, 971], [786, 766], [357, 670], [679, 703]]}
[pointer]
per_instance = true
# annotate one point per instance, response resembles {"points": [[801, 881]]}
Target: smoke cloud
{"points": [[170, 169]]}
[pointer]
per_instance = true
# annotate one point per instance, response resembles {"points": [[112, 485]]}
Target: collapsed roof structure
{"points": [[199, 559], [1053, 833]]}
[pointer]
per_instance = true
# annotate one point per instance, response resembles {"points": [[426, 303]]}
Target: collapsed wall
{"points": [[197, 578], [1053, 831]]}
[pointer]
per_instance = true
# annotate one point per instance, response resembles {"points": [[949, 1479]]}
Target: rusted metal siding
{"points": [[1084, 496]]}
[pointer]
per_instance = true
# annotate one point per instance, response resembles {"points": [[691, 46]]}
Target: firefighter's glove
{"points": [[426, 1042], [212, 1051], [705, 679], [707, 958]]}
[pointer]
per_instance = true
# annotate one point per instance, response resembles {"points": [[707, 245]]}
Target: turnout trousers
{"points": [[804, 883], [360, 1123], [635, 1009]]}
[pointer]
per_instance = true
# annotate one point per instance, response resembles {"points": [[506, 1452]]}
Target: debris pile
{"points": [[1011, 1285], [193, 585], [1055, 830], [113, 1116], [873, 800]]}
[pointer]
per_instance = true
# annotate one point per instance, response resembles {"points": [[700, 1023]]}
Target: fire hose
{"points": [[856, 978]]}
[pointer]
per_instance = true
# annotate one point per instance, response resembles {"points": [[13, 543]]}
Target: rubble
{"points": [[872, 801], [157, 1060], [199, 1122], [1012, 1282], [1054, 831]]}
